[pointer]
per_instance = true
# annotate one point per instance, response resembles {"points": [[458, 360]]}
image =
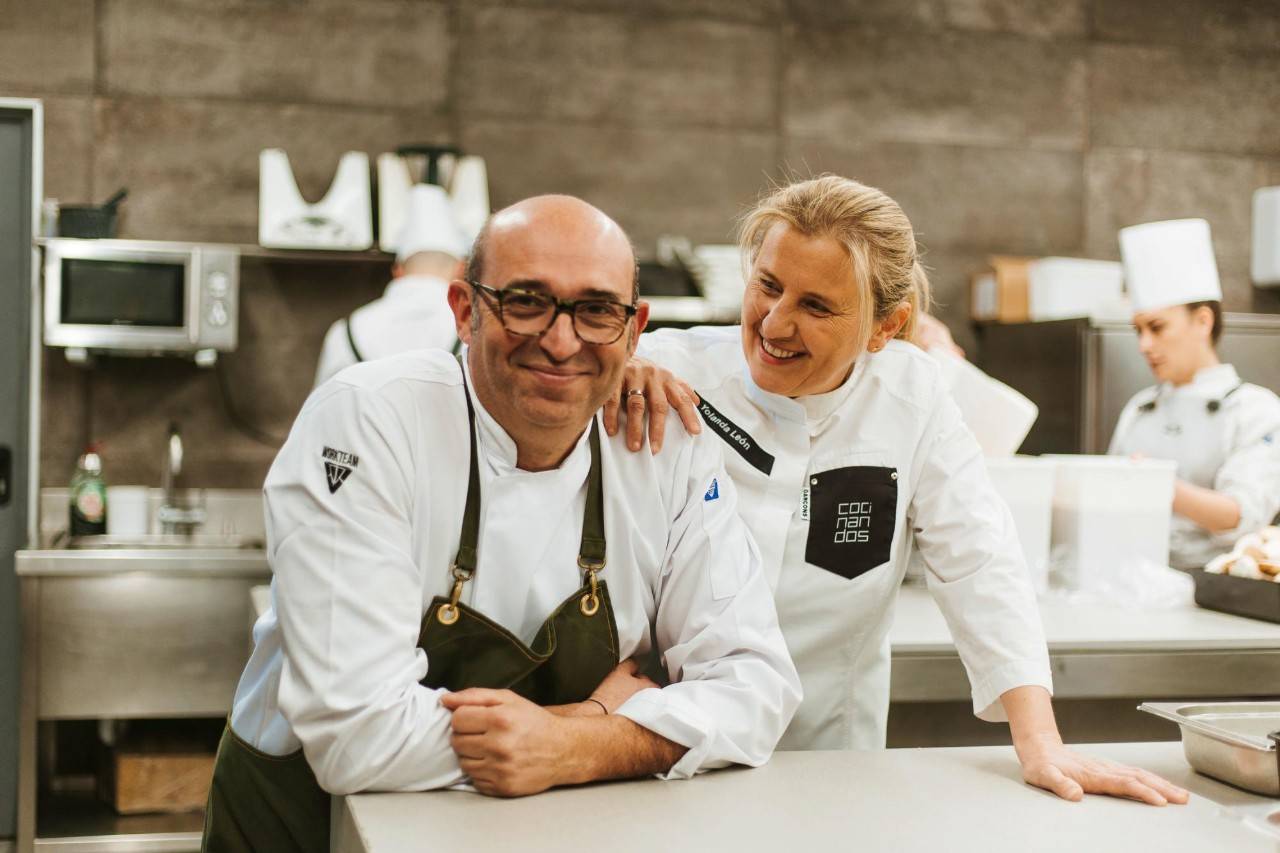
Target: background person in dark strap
{"points": [[1224, 433], [412, 312]]}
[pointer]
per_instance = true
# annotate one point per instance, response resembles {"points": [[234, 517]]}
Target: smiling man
{"points": [[466, 567]]}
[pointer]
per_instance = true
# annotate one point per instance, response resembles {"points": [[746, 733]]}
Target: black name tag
{"points": [[737, 438]]}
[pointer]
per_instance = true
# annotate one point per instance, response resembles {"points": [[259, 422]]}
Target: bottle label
{"points": [[90, 505]]}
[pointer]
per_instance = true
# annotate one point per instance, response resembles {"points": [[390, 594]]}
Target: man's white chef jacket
{"points": [[359, 553], [1232, 447], [838, 488], [412, 313]]}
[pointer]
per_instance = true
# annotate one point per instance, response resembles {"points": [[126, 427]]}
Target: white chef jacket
{"points": [[335, 667], [1235, 450], [412, 313], [837, 489]]}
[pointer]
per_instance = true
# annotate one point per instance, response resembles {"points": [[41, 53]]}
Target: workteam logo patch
{"points": [[338, 465], [714, 492]]}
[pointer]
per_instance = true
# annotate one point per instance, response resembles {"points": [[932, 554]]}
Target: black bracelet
{"points": [[601, 704]]}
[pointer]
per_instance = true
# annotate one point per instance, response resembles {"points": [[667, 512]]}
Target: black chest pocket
{"points": [[852, 515]]}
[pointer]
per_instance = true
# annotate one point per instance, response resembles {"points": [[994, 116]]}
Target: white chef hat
{"points": [[1169, 263], [429, 225]]}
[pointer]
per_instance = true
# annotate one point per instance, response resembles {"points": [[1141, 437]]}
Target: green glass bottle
{"points": [[88, 495]]}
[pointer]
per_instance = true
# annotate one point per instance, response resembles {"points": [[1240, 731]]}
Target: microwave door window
{"points": [[123, 293]]}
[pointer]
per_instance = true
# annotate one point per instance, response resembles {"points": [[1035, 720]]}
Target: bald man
{"points": [[466, 566]]}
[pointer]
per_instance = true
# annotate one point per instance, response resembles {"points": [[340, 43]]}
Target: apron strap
{"points": [[591, 550], [465, 561], [351, 341], [1214, 405]]}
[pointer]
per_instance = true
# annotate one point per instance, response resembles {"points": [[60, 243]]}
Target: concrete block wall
{"points": [[1026, 126]]}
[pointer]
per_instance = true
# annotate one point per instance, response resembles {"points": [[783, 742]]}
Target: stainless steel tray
{"points": [[1235, 742], [161, 541]]}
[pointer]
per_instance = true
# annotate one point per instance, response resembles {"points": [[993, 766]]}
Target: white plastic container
{"points": [[1110, 513], [1264, 266], [1061, 288], [1026, 484], [997, 415], [128, 510]]}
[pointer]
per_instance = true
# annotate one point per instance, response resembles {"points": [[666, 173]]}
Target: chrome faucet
{"points": [[176, 515]]}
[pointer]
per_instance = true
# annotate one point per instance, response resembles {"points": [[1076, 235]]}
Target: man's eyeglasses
{"points": [[530, 313]]}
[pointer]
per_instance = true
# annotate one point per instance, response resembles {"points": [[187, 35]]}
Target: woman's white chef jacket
{"points": [[364, 509], [1234, 449], [837, 489], [412, 313]]}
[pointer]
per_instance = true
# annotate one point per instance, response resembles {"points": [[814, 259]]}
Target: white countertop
{"points": [[919, 628], [900, 800]]}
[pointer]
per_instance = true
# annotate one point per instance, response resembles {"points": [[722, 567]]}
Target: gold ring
{"points": [[447, 614], [588, 604], [634, 391]]}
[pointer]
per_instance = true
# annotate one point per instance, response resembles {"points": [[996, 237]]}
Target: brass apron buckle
{"points": [[447, 614], [589, 604]]}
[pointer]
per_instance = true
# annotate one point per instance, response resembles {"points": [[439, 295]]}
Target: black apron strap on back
{"points": [[1214, 405], [470, 540], [351, 341]]}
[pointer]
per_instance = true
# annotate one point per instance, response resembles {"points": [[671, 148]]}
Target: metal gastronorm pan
{"points": [[1235, 742]]}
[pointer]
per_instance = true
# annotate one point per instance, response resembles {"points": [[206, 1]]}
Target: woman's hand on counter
{"points": [[1068, 774], [661, 390], [1047, 763]]}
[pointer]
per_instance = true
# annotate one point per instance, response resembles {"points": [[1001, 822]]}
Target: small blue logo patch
{"points": [[713, 493]]}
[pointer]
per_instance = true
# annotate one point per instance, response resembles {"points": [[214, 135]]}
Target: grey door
{"points": [[20, 135]]}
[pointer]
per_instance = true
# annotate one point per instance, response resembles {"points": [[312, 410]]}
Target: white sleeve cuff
{"points": [[991, 685], [678, 720]]}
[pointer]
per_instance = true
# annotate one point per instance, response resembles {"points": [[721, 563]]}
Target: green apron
{"points": [[273, 803]]}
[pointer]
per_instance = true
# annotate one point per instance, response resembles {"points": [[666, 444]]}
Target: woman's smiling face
{"points": [[801, 329]]}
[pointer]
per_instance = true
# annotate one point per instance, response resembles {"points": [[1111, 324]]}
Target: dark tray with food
{"points": [[1246, 581], [1257, 599]]}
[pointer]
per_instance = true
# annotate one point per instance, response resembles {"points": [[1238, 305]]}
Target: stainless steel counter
{"points": [[126, 634], [186, 562], [900, 800]]}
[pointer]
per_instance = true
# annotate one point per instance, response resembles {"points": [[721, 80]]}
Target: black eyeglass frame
{"points": [[559, 306]]}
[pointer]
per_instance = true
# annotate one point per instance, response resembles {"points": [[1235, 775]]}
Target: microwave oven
{"points": [[141, 297]]}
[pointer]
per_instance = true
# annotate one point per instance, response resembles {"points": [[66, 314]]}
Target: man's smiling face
{"points": [[567, 249]]}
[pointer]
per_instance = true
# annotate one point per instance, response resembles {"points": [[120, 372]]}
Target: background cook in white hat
{"points": [[412, 312], [1224, 433]]}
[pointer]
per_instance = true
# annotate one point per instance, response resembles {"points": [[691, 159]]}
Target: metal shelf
{"points": [[79, 822], [308, 256], [312, 256]]}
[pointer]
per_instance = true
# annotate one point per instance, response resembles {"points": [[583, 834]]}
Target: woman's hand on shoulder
{"points": [[648, 394]]}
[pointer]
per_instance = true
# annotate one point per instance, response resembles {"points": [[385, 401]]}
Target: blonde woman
{"points": [[848, 453]]}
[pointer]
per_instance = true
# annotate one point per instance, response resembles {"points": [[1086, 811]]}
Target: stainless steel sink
{"points": [[157, 541]]}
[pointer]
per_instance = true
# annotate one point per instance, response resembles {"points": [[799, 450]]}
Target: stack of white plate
{"points": [[719, 273]]}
